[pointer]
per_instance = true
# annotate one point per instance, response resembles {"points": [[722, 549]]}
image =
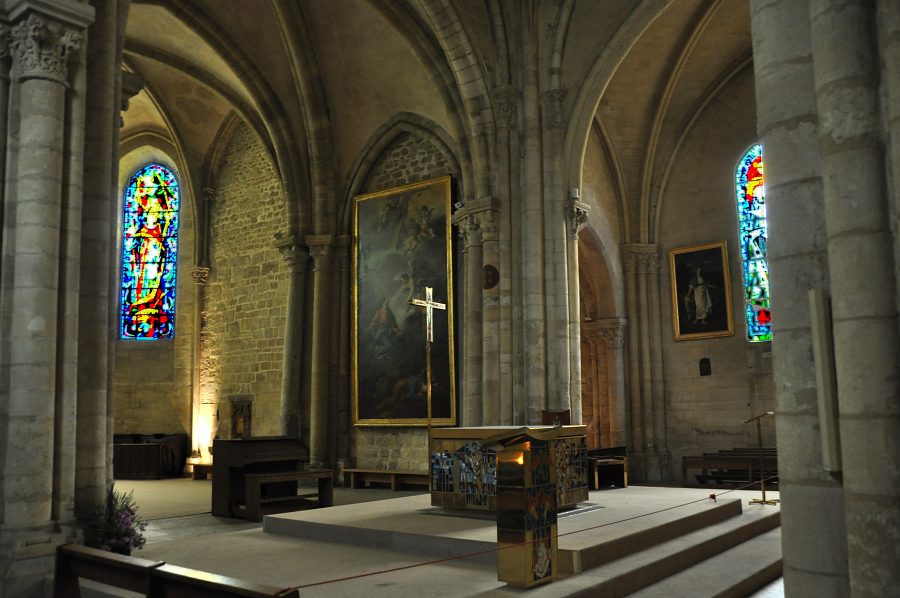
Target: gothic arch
{"points": [[403, 123]]}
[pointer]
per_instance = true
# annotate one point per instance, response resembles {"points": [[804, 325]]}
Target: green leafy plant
{"points": [[114, 525]]}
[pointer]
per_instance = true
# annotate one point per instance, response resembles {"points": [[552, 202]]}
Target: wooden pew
{"points": [[257, 500], [355, 477], [171, 581], [746, 464], [74, 561]]}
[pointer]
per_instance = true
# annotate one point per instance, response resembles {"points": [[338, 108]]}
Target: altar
{"points": [[464, 470]]}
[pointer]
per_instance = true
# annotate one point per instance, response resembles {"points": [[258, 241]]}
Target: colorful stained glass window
{"points": [[751, 205], [149, 255]]}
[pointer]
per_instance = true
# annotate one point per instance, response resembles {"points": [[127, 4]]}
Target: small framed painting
{"points": [[701, 295]]}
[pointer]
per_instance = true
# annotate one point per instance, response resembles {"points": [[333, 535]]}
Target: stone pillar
{"points": [[507, 166], [40, 294], [814, 539], [341, 357], [472, 405], [576, 216], [97, 240], [5, 34], [641, 268], [489, 288], [296, 256], [861, 266], [612, 331], [557, 262], [200, 441], [40, 49], [534, 325], [320, 248]]}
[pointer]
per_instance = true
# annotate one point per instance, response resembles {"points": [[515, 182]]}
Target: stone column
{"points": [[612, 331], [641, 267], [635, 411], [199, 443], [557, 262], [814, 539], [97, 240], [861, 265], [485, 215], [506, 99], [341, 374], [576, 216], [472, 405], [320, 248], [5, 34], [40, 49], [534, 314], [296, 256]]}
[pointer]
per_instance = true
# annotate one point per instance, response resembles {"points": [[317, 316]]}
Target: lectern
{"points": [[526, 512]]}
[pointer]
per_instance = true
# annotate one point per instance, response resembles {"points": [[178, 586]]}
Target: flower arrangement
{"points": [[114, 524]]}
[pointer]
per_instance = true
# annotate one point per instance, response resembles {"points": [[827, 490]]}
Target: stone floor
{"points": [[181, 531]]}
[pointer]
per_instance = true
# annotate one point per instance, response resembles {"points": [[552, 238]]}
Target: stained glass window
{"points": [[751, 205], [149, 255]]}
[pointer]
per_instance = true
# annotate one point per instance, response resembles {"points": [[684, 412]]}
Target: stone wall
{"points": [[706, 413], [407, 159], [246, 297], [152, 380]]}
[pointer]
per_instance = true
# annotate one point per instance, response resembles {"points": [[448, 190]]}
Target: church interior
{"points": [[216, 214]]}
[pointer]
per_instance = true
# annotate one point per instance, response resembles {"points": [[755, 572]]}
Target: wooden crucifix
{"points": [[430, 305]]}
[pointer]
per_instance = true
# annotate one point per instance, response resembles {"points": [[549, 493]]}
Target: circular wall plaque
{"points": [[491, 277]]}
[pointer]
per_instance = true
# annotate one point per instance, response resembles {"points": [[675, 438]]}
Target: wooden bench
{"points": [[171, 581], [609, 472], [398, 480], [257, 500], [74, 561], [747, 464]]}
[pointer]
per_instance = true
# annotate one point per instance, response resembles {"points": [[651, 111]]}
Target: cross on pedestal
{"points": [[430, 305]]}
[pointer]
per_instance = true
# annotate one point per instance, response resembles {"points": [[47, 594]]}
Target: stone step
{"points": [[594, 548], [735, 573], [637, 571]]}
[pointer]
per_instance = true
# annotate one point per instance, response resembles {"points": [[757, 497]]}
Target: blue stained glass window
{"points": [[751, 205], [149, 255]]}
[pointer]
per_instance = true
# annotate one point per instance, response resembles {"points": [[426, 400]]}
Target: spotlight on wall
{"points": [[457, 205], [574, 193]]}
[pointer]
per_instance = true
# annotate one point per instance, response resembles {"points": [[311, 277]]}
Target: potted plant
{"points": [[114, 525]]}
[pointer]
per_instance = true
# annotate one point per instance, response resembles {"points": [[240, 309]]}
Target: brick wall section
{"points": [[243, 334], [408, 159]]}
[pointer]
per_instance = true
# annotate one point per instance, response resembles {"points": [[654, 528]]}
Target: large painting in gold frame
{"points": [[701, 291], [401, 244]]}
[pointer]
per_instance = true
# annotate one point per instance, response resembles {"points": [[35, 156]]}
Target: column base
{"points": [[650, 465], [27, 558]]}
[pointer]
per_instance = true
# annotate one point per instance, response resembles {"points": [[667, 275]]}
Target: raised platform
{"points": [[620, 552]]}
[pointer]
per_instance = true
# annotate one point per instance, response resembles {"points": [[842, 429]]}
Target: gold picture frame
{"points": [[701, 291], [402, 242]]}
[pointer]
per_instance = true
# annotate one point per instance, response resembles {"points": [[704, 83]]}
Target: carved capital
{"points": [[200, 274], [41, 49], [610, 330], [296, 256], [553, 106], [641, 258], [486, 221], [576, 215], [470, 230], [320, 249], [208, 194]]}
